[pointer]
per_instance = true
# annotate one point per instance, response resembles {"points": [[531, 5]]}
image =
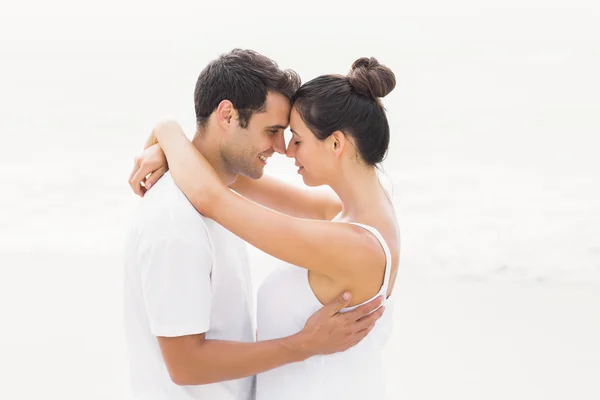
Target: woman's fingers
{"points": [[134, 182], [141, 170], [154, 177], [147, 169]]}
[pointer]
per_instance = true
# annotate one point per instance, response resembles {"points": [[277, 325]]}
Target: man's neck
{"points": [[208, 145]]}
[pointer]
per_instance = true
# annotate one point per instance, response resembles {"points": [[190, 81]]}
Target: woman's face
{"points": [[312, 158]]}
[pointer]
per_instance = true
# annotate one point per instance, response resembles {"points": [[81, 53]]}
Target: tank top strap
{"points": [[388, 255]]}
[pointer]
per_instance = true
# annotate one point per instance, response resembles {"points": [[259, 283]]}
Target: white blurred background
{"points": [[493, 160]]}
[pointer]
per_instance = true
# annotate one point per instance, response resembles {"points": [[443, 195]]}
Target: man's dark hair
{"points": [[243, 77]]}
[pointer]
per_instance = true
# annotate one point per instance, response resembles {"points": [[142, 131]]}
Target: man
{"points": [[188, 300]]}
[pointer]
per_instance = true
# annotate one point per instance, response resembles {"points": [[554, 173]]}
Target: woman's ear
{"points": [[338, 142]]}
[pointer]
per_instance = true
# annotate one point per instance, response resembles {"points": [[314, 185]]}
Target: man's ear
{"points": [[226, 113]]}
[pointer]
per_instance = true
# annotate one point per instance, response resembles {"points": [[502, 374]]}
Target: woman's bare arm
{"points": [[287, 198], [344, 252]]}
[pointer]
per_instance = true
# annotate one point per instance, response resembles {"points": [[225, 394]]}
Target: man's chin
{"points": [[258, 175], [254, 174]]}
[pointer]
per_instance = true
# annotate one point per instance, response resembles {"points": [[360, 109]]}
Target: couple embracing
{"points": [[321, 324]]}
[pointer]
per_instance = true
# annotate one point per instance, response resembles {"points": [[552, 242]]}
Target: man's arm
{"points": [[289, 199], [193, 360], [176, 269]]}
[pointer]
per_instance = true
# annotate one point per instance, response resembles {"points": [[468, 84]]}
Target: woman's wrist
{"points": [[165, 128], [151, 141]]}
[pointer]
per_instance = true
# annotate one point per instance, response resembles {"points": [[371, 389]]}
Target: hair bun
{"points": [[370, 78]]}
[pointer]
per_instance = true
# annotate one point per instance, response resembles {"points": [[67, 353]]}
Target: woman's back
{"points": [[285, 302]]}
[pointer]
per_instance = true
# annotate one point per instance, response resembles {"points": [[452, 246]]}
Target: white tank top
{"points": [[285, 302]]}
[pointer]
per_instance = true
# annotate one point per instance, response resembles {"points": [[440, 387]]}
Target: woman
{"points": [[340, 134]]}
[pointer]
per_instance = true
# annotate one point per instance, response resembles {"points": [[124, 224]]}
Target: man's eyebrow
{"points": [[277, 127]]}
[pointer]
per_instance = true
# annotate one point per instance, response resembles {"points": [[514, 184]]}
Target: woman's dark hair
{"points": [[350, 104], [242, 77]]}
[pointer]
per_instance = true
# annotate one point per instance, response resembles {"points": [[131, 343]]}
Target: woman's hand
{"points": [[148, 168]]}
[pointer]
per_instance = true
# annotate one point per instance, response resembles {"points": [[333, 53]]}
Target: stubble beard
{"points": [[242, 164]]}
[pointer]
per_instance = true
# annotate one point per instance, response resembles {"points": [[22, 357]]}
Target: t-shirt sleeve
{"points": [[176, 285]]}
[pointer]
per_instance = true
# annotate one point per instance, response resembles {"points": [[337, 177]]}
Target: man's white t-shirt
{"points": [[184, 275]]}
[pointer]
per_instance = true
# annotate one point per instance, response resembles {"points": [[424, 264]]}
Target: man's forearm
{"points": [[217, 360]]}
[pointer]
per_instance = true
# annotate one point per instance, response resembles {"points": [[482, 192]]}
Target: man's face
{"points": [[248, 149]]}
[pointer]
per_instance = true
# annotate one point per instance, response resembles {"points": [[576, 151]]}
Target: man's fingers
{"points": [[339, 303], [154, 177], [359, 336], [369, 320], [365, 309]]}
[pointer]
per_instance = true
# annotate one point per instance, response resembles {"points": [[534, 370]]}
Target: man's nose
{"points": [[279, 143]]}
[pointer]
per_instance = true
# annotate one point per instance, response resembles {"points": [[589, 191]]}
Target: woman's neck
{"points": [[359, 189]]}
